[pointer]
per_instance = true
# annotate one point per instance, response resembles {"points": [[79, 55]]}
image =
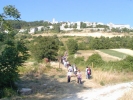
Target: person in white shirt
{"points": [[86, 72], [70, 68], [65, 63], [69, 74], [75, 69]]}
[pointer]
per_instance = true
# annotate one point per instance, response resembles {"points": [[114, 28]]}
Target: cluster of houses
{"points": [[78, 26]]}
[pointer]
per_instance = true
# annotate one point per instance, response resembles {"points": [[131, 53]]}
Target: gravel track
{"points": [[113, 92]]}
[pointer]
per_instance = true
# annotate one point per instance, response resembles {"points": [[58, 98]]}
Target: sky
{"points": [[104, 11]]}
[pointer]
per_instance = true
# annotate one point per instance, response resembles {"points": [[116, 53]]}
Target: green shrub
{"points": [[102, 83], [72, 46], [96, 59], [7, 92], [82, 46], [127, 63], [71, 59], [79, 60]]}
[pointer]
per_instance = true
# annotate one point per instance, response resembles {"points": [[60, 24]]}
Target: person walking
{"points": [[86, 72], [79, 77], [69, 74], [74, 69], [70, 68], [89, 72]]}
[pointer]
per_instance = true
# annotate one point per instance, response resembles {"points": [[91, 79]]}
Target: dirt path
{"points": [[110, 92], [113, 92]]}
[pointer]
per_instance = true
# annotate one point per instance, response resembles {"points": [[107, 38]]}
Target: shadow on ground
{"points": [[48, 87]]}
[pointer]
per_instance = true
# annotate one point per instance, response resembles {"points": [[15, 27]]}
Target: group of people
{"points": [[74, 71]]}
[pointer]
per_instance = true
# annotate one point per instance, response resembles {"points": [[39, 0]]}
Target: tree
{"points": [[56, 28], [96, 59], [66, 26], [82, 25], [9, 12], [44, 47], [75, 25], [36, 30], [72, 46], [13, 53]]}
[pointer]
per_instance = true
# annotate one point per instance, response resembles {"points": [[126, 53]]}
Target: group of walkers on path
{"points": [[74, 71]]}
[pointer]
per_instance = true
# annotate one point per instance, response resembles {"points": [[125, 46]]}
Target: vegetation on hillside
{"points": [[15, 49], [44, 47], [13, 53]]}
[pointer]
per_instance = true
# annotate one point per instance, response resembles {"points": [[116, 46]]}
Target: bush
{"points": [[72, 46], [127, 63], [71, 59], [96, 59], [7, 92], [79, 60], [82, 46]]}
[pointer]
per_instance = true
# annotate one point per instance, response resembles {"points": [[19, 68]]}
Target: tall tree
{"points": [[13, 53], [9, 12], [72, 46], [44, 47]]}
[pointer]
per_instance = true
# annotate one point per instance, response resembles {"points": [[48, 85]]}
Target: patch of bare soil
{"points": [[52, 85], [92, 34], [84, 53]]}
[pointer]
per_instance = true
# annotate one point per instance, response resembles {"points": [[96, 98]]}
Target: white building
{"points": [[51, 27], [99, 23], [32, 30], [54, 22], [111, 25], [40, 27], [22, 30], [78, 25]]}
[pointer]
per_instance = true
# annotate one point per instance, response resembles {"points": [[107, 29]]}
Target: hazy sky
{"points": [[105, 11]]}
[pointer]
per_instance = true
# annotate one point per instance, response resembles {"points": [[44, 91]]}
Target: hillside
{"points": [[93, 34]]}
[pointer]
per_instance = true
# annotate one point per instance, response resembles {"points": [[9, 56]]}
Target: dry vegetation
{"points": [[50, 83], [93, 34]]}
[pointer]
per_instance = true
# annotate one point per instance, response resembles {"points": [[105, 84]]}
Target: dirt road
{"points": [[110, 92], [113, 92]]}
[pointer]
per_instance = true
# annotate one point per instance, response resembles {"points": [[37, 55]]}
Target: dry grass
{"points": [[109, 77], [50, 83], [83, 34], [47, 83], [85, 53]]}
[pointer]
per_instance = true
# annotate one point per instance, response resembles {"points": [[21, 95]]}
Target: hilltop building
{"points": [[120, 26]]}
